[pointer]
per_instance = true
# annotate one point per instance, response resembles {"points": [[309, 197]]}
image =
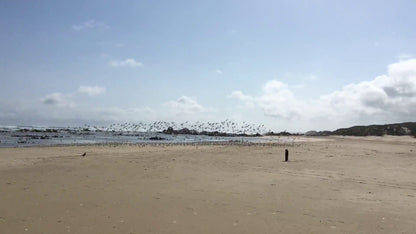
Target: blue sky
{"points": [[292, 65]]}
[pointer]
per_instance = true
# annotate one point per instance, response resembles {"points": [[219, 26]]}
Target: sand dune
{"points": [[335, 185]]}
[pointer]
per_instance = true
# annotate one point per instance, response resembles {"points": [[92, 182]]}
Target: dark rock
{"points": [[169, 131], [156, 138]]}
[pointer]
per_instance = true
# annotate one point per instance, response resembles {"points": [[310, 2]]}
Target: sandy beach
{"points": [[330, 185]]}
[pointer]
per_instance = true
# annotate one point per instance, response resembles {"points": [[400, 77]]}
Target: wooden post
{"points": [[286, 155]]}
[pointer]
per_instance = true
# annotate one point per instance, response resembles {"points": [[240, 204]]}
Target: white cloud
{"points": [[386, 98], [57, 99], [58, 108], [240, 96], [219, 72], [67, 100], [130, 62], [90, 24], [279, 101], [185, 105], [92, 90]]}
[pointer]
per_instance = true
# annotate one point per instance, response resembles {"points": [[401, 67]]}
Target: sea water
{"points": [[27, 136]]}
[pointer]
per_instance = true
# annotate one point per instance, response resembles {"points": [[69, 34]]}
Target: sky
{"points": [[290, 65]]}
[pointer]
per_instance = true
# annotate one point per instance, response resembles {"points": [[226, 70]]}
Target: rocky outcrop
{"points": [[171, 131]]}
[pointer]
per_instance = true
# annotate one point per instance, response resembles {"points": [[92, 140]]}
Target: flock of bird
{"points": [[227, 126]]}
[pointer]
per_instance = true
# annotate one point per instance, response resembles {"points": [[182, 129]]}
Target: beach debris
{"points": [[84, 154], [286, 155]]}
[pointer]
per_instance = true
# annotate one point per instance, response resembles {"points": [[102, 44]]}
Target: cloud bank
{"points": [[72, 108], [58, 99], [386, 98]]}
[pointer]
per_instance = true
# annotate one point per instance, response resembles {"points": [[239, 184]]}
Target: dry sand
{"points": [[342, 185]]}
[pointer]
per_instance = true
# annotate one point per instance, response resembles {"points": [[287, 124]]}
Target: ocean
{"points": [[27, 136]]}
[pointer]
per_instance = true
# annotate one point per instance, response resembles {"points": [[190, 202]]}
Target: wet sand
{"points": [[335, 185]]}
